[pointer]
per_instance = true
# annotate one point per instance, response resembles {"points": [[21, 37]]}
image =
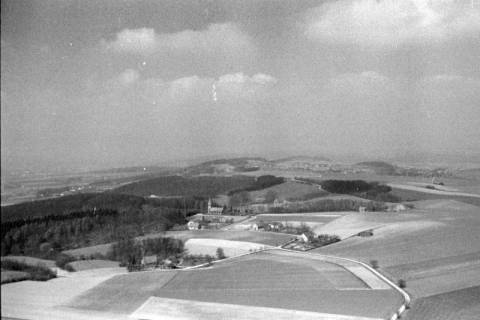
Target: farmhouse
{"points": [[277, 203], [399, 207], [193, 225]]}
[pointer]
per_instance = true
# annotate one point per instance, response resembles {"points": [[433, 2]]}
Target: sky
{"points": [[107, 83]]}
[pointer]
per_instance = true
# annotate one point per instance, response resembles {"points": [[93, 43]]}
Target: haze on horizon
{"points": [[112, 83]]}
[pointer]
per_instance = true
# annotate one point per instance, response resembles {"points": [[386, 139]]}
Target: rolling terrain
{"points": [[434, 247], [258, 280], [431, 244]]}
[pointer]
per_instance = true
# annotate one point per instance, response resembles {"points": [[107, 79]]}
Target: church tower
{"points": [[209, 205]]}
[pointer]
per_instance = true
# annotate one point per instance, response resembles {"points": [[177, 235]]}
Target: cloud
{"points": [[224, 38], [197, 89], [241, 78], [241, 86], [134, 41], [389, 23], [126, 93]]}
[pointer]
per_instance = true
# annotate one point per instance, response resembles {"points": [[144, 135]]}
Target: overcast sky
{"points": [[113, 83]]}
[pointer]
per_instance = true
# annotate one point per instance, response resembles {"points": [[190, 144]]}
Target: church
{"points": [[214, 210]]}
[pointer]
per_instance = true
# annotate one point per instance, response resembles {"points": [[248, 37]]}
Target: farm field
{"points": [[273, 279], [415, 195], [348, 225], [456, 305], [258, 237], [289, 190], [185, 309], [230, 248], [40, 300], [82, 265], [433, 247], [320, 217]]}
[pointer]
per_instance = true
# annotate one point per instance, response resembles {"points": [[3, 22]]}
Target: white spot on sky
{"points": [[144, 63]]}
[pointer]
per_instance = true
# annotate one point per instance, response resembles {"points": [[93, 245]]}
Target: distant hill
{"points": [[203, 186], [227, 166], [302, 158]]}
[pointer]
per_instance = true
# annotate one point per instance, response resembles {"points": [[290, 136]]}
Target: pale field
{"points": [[278, 279], [349, 225], [199, 216], [41, 299], [260, 237], [433, 247], [320, 218], [420, 188], [162, 308], [230, 248]]}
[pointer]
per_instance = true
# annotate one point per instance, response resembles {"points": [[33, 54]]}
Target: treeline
{"points": [[192, 204], [47, 237], [360, 188], [130, 252], [346, 186], [8, 225], [38, 272]]}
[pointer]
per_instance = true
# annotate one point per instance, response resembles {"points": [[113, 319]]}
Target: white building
{"points": [[193, 225], [399, 207]]}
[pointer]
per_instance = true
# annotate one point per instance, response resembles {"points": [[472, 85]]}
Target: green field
{"points": [[267, 279]]}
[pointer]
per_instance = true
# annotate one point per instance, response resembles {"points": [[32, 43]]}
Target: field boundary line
{"points": [[406, 297]]}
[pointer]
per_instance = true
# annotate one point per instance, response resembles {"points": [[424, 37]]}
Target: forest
{"points": [[360, 188]]}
